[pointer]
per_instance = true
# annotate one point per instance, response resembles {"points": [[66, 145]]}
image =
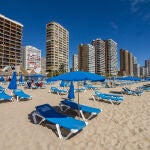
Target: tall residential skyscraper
{"points": [[126, 62], [136, 70], [142, 71], [147, 66], [75, 62], [43, 65], [111, 60], [100, 66], [86, 58], [57, 47], [10, 42], [32, 58]]}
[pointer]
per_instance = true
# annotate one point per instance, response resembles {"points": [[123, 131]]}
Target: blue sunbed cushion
{"points": [[84, 108], [20, 93], [51, 115], [4, 96], [109, 96]]}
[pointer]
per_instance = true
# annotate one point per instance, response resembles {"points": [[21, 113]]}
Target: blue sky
{"points": [[125, 21]]}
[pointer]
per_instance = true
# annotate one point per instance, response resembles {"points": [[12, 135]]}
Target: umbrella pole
{"points": [[78, 101]]}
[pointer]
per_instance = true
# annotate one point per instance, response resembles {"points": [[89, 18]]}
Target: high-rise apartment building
{"points": [[136, 70], [86, 58], [126, 62], [57, 47], [32, 58], [147, 66], [111, 60], [10, 42], [43, 65], [75, 62], [142, 71], [100, 66]]}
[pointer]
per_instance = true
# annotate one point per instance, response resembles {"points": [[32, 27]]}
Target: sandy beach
{"points": [[118, 127]]}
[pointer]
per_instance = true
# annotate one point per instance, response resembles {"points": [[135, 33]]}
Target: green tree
{"points": [[50, 71], [62, 68]]}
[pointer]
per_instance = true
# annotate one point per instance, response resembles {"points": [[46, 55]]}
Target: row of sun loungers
{"points": [[18, 94]]}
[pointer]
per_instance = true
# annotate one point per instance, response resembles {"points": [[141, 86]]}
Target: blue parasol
{"points": [[13, 83], [71, 91]]}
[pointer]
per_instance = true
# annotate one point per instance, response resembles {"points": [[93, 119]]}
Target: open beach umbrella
{"points": [[77, 76], [13, 83], [71, 91]]}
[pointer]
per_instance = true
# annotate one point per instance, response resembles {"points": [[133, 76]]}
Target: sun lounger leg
{"points": [[91, 115], [17, 98], [61, 107], [93, 97], [58, 131], [82, 115], [34, 118]]}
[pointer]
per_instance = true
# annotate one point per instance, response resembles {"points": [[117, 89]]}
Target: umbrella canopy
{"points": [[13, 83], [71, 91], [131, 78], [77, 76]]}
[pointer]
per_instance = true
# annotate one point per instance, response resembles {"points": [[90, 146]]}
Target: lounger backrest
{"points": [[48, 111], [72, 104]]}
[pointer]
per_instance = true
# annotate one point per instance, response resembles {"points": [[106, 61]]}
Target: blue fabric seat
{"points": [[48, 113], [70, 104], [21, 95], [4, 96]]}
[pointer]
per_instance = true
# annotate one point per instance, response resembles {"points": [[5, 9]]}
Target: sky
{"points": [[127, 22]]}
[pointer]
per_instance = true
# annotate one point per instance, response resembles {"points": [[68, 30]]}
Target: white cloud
{"points": [[137, 4], [114, 25], [140, 8]]}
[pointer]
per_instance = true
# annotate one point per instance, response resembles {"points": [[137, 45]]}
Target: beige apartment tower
{"points": [[100, 65], [111, 60], [126, 62], [86, 58], [57, 47], [10, 42]]}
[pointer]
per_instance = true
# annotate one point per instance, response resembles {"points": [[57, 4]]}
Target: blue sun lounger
{"points": [[132, 92], [112, 98], [48, 113], [21, 95], [70, 104], [4, 96], [57, 91]]}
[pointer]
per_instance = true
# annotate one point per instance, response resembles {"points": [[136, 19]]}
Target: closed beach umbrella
{"points": [[13, 83], [21, 78], [71, 91], [2, 78], [62, 84]]}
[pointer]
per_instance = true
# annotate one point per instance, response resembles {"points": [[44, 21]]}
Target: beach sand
{"points": [[118, 127]]}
